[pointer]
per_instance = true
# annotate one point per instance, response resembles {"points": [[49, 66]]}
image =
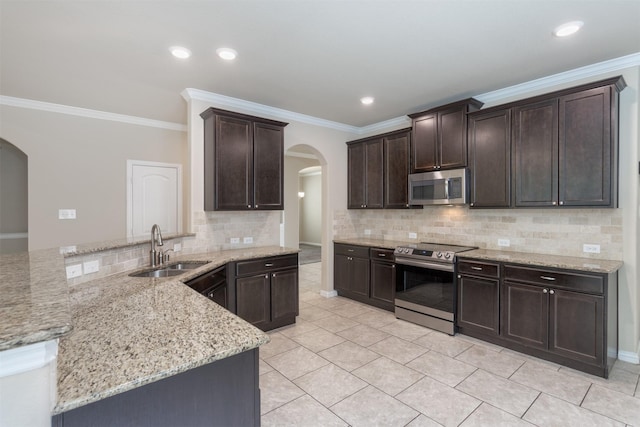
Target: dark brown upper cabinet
{"points": [[243, 162], [378, 167], [440, 136], [490, 158], [566, 147]]}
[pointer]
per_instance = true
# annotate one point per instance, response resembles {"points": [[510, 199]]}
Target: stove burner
{"points": [[434, 251]]}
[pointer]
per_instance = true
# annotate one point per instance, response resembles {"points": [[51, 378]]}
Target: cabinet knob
{"points": [[561, 202], [459, 276], [471, 204], [256, 206], [553, 203], [273, 275], [552, 292], [544, 291], [249, 206], [266, 276]]}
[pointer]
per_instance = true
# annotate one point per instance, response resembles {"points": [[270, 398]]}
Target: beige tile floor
{"points": [[346, 363]]}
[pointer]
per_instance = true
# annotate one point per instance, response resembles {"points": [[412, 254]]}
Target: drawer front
{"points": [[262, 265], [556, 279], [484, 269], [349, 250], [378, 254]]}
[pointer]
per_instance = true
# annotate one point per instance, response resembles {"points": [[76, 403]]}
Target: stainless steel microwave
{"points": [[448, 187]]}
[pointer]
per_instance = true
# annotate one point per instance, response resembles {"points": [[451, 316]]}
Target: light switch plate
{"points": [[66, 214], [234, 240], [367, 232], [591, 249], [91, 267], [74, 271], [504, 242], [177, 247], [413, 235]]}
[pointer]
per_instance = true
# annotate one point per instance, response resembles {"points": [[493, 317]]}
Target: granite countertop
{"points": [[34, 302], [132, 331], [555, 261]]}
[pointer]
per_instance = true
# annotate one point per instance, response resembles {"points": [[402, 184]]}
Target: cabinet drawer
{"points": [[256, 266], [485, 269], [381, 254], [556, 279], [349, 250]]}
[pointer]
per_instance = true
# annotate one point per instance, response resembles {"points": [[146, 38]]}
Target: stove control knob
{"points": [[447, 255], [407, 250], [439, 254]]}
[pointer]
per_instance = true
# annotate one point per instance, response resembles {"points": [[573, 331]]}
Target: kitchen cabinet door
{"points": [[253, 300], [425, 143], [490, 159], [479, 304], [535, 143], [587, 155], [284, 295], [268, 166], [452, 144], [351, 271], [357, 178], [365, 175], [396, 170], [383, 283], [577, 325], [525, 314], [375, 174]]}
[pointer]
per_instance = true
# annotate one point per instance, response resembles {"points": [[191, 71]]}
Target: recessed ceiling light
{"points": [[568, 28], [226, 53], [367, 100], [180, 52]]}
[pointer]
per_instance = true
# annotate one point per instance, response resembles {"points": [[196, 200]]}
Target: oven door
{"points": [[426, 288]]}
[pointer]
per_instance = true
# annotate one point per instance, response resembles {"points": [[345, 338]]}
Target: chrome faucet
{"points": [[156, 239]]}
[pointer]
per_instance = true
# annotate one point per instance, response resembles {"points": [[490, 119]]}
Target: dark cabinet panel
{"points": [[490, 159], [351, 276], [377, 171], [243, 161], [535, 137], [525, 314], [440, 136], [577, 325], [383, 278], [585, 172], [478, 304], [266, 291], [268, 166], [396, 170]]}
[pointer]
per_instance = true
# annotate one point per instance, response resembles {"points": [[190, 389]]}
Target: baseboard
{"points": [[311, 244], [329, 294], [630, 356]]}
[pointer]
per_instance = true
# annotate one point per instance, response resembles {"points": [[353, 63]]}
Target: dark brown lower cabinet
{"points": [[479, 297], [365, 274], [569, 317], [222, 393], [266, 291]]}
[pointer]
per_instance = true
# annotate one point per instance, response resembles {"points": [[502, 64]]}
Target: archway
{"points": [[14, 219]]}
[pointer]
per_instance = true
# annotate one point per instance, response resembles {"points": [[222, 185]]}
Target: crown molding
{"points": [[399, 122], [261, 109], [592, 70], [86, 112]]}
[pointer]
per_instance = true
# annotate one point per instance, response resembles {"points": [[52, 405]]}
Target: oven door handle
{"points": [[423, 264]]}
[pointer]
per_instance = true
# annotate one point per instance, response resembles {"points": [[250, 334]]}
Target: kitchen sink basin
{"points": [[163, 272], [174, 269], [187, 265]]}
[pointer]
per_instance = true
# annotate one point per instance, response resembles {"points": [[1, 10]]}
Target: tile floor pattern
{"points": [[346, 363]]}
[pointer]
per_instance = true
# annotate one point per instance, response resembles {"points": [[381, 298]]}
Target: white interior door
{"points": [[154, 197]]}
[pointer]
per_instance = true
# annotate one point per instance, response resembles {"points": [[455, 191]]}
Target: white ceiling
{"points": [[311, 57]]}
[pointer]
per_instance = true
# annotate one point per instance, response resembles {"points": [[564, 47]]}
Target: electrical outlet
{"points": [[413, 235], [234, 240], [66, 214], [74, 271], [91, 267], [367, 232], [591, 249], [67, 249], [247, 240], [504, 242], [177, 247]]}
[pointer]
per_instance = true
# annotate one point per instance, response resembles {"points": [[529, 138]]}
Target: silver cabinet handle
{"points": [[552, 292], [382, 255], [350, 250], [551, 279], [477, 268], [544, 291], [268, 264]]}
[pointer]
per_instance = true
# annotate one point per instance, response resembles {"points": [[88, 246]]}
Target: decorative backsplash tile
{"points": [[545, 231]]}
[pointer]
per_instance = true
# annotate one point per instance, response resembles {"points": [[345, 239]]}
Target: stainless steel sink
{"points": [[187, 265], [174, 269]]}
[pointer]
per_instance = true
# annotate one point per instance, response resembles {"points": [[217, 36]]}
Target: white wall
{"points": [[80, 163], [14, 223]]}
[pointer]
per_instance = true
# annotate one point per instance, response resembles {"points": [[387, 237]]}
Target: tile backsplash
{"points": [[214, 230], [545, 231]]}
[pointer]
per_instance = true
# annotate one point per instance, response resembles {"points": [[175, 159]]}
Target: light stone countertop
{"points": [[130, 331], [592, 265], [119, 332]]}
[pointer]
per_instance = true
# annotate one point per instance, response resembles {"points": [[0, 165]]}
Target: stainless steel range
{"points": [[426, 286]]}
